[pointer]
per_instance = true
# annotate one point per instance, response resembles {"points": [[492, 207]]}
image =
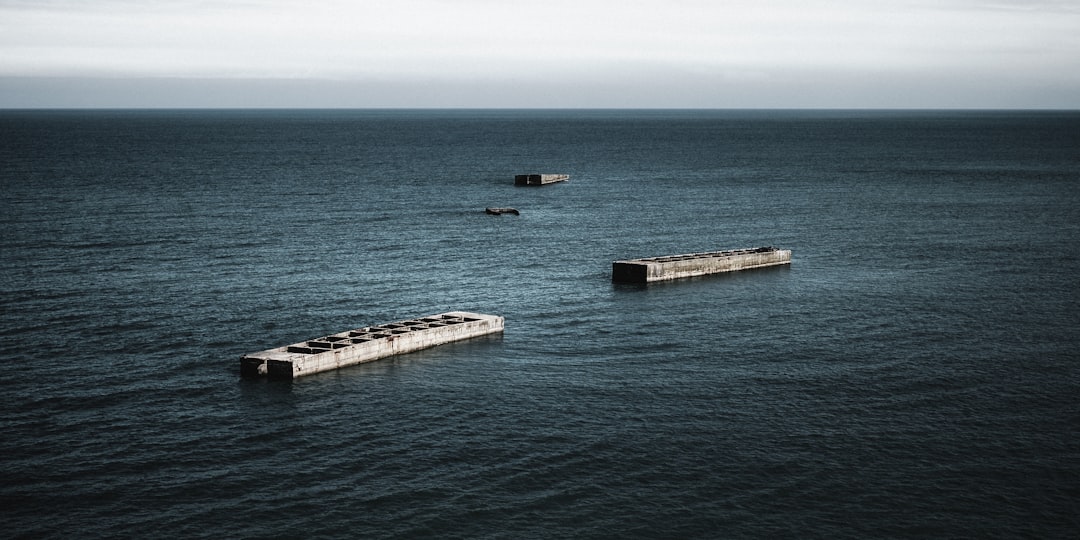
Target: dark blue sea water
{"points": [[915, 372]]}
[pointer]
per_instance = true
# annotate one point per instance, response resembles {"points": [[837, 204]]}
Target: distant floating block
{"points": [[539, 179], [500, 211], [367, 344], [696, 264]]}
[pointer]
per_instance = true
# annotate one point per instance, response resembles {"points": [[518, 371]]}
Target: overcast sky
{"points": [[540, 53]]}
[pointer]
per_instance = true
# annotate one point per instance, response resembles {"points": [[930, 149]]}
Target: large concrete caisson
{"points": [[539, 179], [367, 344], [696, 264]]}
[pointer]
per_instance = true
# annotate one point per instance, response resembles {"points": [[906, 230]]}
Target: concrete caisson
{"points": [[539, 179], [367, 344], [696, 264]]}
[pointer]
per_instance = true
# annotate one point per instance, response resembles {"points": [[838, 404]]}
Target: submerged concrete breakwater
{"points": [[696, 264], [367, 344]]}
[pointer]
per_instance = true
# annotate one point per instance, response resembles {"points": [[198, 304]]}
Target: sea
{"points": [[913, 373]]}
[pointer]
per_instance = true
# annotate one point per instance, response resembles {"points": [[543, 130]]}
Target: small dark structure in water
{"points": [[500, 211]]}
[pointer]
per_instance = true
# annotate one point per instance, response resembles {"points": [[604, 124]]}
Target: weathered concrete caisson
{"points": [[696, 264], [539, 179], [367, 344]]}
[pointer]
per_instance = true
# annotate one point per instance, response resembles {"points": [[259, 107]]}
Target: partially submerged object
{"points": [[696, 264], [539, 179], [495, 211], [367, 344]]}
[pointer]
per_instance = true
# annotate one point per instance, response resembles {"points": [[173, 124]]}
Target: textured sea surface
{"points": [[915, 372]]}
